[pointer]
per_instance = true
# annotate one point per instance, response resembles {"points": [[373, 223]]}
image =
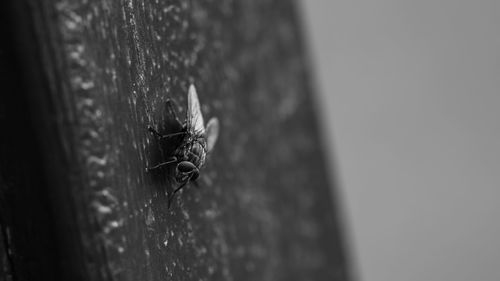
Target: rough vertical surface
{"points": [[100, 73]]}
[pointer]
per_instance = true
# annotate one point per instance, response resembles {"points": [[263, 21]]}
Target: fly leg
{"points": [[154, 131], [175, 126], [170, 197], [169, 104], [172, 135], [160, 136], [163, 164]]}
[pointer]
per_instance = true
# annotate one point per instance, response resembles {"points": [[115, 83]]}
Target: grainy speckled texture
{"points": [[263, 210]]}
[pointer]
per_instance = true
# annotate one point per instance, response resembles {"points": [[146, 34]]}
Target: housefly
{"points": [[194, 142]]}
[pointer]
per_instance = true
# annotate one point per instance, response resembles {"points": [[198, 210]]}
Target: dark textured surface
{"points": [[27, 244], [100, 72]]}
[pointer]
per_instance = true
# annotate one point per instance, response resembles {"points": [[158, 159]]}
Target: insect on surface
{"points": [[194, 142]]}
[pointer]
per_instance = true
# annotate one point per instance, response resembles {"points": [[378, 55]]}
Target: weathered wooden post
{"points": [[82, 82]]}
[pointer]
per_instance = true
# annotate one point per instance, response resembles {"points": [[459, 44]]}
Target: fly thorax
{"points": [[197, 152]]}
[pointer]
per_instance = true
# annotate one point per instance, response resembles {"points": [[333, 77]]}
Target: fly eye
{"points": [[186, 167], [195, 175]]}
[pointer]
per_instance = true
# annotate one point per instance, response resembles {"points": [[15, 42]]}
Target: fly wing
{"points": [[194, 117], [212, 132]]}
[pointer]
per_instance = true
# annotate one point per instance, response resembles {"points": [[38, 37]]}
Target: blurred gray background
{"points": [[410, 95]]}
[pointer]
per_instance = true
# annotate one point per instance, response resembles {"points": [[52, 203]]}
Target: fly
{"points": [[196, 141]]}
